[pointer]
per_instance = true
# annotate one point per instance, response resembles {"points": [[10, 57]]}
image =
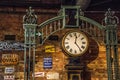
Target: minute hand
{"points": [[76, 42]]}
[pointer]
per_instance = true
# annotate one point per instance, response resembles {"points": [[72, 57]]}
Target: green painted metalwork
{"points": [[111, 22], [47, 28], [50, 21], [29, 25], [92, 22], [62, 16]]}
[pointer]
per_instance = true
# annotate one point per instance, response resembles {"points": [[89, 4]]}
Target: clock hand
{"points": [[78, 46], [76, 42]]}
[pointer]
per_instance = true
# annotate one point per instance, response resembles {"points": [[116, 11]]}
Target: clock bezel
{"points": [[66, 51]]}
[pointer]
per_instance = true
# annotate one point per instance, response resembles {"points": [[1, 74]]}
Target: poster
{"points": [[9, 70], [50, 49], [9, 59], [9, 77], [52, 75], [47, 63]]}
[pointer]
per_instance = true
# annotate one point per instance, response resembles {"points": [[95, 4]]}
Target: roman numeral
{"points": [[67, 47], [83, 47], [67, 38], [82, 38], [71, 50], [83, 42], [75, 51], [66, 42], [75, 34], [70, 35]]}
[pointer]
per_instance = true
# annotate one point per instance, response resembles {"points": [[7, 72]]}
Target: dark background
{"points": [[95, 5]]}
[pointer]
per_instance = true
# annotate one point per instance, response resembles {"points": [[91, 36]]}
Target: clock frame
{"points": [[75, 43]]}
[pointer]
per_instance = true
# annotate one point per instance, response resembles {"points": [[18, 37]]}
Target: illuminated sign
{"points": [[47, 63], [9, 59], [50, 48]]}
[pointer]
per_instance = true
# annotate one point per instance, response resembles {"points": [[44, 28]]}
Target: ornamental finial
{"points": [[30, 17], [110, 18]]}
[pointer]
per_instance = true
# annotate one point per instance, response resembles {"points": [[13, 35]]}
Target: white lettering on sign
{"points": [[11, 45], [47, 63], [9, 70]]}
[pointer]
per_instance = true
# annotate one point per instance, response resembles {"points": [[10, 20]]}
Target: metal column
{"points": [[111, 42], [29, 25]]}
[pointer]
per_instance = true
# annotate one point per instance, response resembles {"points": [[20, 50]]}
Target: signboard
{"points": [[9, 59], [9, 77], [47, 63], [50, 48], [7, 45], [9, 70], [52, 75], [39, 74]]}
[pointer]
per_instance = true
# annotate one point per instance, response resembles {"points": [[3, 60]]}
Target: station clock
{"points": [[75, 43]]}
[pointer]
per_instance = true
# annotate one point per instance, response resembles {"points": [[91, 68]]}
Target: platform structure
{"points": [[108, 31]]}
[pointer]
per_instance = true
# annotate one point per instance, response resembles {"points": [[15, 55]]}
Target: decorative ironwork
{"points": [[30, 17], [29, 25], [49, 27], [110, 18], [111, 22], [88, 25]]}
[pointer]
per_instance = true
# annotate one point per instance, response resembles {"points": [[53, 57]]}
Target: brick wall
{"points": [[11, 24]]}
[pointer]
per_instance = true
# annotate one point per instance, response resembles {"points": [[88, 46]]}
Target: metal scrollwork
{"points": [[30, 17], [110, 18]]}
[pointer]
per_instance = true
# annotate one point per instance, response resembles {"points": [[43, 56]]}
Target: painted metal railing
{"points": [[94, 29], [49, 27]]}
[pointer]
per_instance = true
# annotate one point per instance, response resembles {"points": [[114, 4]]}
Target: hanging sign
{"points": [[39, 74], [47, 63], [9, 77], [9, 70], [9, 59], [7, 45], [50, 48]]}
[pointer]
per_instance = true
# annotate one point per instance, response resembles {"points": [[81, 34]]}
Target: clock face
{"points": [[75, 43]]}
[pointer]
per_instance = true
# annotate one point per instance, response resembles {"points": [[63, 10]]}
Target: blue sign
{"points": [[47, 63]]}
